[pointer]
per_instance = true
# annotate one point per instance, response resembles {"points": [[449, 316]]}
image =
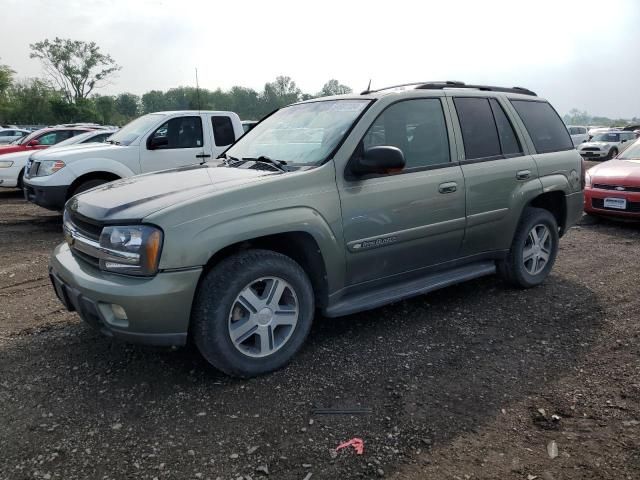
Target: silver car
{"points": [[8, 135]]}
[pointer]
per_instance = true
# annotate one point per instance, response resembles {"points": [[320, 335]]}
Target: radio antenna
{"points": [[198, 90]]}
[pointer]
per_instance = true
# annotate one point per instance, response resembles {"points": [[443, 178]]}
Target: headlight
{"points": [[5, 164], [132, 250], [48, 167]]}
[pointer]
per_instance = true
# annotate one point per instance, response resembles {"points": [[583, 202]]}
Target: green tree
{"points": [[333, 87], [127, 105], [30, 102], [105, 106], [154, 101], [76, 67], [279, 93]]}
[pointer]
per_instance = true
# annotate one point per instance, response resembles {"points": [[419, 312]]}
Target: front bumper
{"points": [[9, 175], [158, 308], [595, 155], [50, 197], [594, 203]]}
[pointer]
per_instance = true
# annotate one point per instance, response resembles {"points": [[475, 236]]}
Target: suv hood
{"points": [[617, 172], [133, 198]]}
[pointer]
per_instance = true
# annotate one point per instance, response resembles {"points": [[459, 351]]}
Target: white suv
{"points": [[606, 145]]}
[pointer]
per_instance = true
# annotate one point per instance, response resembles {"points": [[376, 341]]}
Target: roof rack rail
{"points": [[416, 84], [487, 88]]}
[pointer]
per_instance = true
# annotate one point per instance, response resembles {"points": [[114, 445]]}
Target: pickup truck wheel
{"points": [[533, 250], [88, 185], [252, 313]]}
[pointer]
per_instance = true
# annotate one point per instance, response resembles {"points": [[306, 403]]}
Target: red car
{"points": [[613, 188], [42, 139]]}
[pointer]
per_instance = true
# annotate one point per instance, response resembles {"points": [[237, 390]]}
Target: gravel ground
{"points": [[474, 381]]}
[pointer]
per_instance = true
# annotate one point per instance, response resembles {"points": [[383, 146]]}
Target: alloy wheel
{"points": [[263, 317], [537, 249]]}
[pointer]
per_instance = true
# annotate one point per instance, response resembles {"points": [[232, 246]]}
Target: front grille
{"points": [[87, 258], [590, 149], [85, 227], [633, 207], [604, 186]]}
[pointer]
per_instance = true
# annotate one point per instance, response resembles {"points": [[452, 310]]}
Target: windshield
{"points": [[631, 153], [302, 134], [28, 138], [132, 130], [606, 137]]}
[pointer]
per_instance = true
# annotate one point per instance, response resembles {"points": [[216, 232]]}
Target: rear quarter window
{"points": [[546, 129]]}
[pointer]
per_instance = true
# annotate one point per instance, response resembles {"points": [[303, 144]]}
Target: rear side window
{"points": [[508, 139], [479, 132], [545, 127], [222, 131]]}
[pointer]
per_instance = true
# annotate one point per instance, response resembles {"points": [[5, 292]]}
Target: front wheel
{"points": [[89, 184], [612, 153], [252, 313], [533, 251]]}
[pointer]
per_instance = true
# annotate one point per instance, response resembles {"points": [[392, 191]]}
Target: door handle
{"points": [[203, 155], [448, 187], [523, 174]]}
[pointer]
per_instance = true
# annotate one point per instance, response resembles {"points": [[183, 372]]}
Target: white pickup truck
{"points": [[157, 141]]}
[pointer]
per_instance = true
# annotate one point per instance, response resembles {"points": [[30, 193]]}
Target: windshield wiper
{"points": [[228, 160], [279, 164]]}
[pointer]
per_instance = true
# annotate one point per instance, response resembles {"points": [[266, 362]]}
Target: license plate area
{"points": [[617, 203]]}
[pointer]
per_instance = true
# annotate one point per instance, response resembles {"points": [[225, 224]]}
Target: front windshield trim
{"points": [[331, 154]]}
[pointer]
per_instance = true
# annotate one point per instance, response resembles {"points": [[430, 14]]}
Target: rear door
{"points": [[497, 173], [177, 142], [403, 221]]}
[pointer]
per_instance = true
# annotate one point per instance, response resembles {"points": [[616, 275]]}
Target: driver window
{"points": [[48, 139], [181, 132], [417, 127]]}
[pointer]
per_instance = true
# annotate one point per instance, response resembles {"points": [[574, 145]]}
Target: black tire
{"points": [[612, 153], [216, 296], [20, 183], [88, 185], [513, 268]]}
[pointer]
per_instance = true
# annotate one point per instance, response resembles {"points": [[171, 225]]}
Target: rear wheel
{"points": [[252, 313], [533, 251]]}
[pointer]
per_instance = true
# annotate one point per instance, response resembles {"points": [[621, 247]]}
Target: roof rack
{"points": [[487, 88], [455, 84]]}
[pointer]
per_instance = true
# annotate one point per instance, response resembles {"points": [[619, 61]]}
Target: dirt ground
{"points": [[474, 381]]}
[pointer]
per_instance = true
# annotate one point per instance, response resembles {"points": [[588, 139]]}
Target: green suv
{"points": [[333, 205]]}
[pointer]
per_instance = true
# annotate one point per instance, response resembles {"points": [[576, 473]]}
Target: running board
{"points": [[383, 296]]}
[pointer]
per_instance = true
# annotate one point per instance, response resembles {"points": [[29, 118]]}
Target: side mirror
{"points": [[381, 159], [155, 143], [33, 143]]}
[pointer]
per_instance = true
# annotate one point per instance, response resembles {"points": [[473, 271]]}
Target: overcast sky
{"points": [[579, 54]]}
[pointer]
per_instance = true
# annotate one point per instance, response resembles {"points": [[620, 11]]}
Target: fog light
{"points": [[118, 312]]}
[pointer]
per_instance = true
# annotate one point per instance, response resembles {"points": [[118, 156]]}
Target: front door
{"points": [[403, 221], [177, 142]]}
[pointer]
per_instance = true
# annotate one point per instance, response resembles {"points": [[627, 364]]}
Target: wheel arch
{"points": [[90, 176], [556, 203], [298, 245]]}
